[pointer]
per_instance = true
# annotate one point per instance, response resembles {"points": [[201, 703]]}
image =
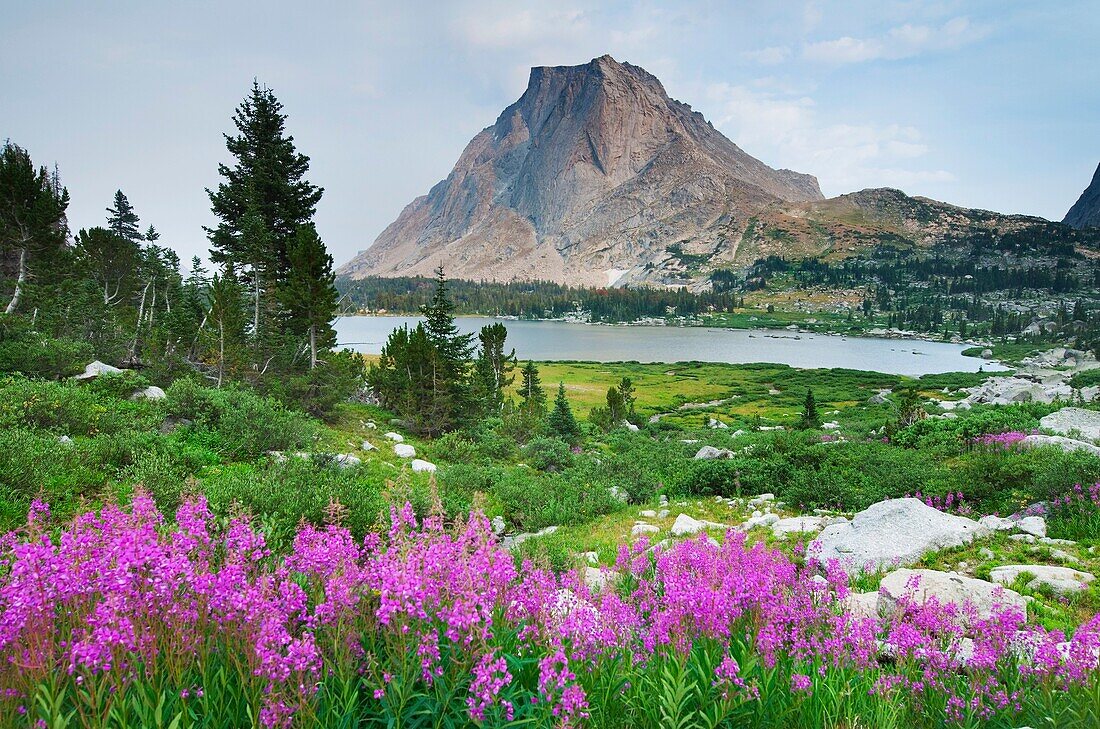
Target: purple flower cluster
{"points": [[122, 595], [1001, 440]]}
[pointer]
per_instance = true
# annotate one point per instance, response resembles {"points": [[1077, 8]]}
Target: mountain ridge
{"points": [[596, 177], [1086, 211]]}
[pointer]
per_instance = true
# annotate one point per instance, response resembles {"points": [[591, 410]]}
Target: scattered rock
{"points": [[685, 526], [1073, 420], [1036, 526], [997, 523], [893, 532], [1066, 444], [641, 530], [629, 426], [346, 460], [368, 446], [648, 514], [861, 605], [662, 514], [716, 424], [619, 494], [759, 520], [710, 453], [395, 437], [511, 543], [421, 466], [879, 398], [918, 586], [597, 579], [403, 450], [797, 524], [97, 368], [149, 393], [1008, 390], [1062, 580], [498, 525]]}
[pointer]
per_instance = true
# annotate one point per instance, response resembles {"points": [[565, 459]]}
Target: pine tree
{"points": [[626, 390], [309, 294], [531, 394], [561, 421], [493, 369], [809, 418], [616, 407], [267, 179], [33, 226], [228, 319], [123, 221]]}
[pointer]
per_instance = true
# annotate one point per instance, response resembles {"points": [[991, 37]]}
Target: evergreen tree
{"points": [[228, 320], [809, 418], [111, 261], [493, 369], [122, 220], [616, 408], [561, 421], [626, 391], [33, 226], [532, 396], [264, 196], [309, 295]]}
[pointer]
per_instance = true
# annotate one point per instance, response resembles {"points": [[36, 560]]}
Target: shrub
{"points": [[531, 500], [548, 454]]}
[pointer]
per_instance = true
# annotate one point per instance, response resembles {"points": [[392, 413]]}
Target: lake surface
{"points": [[553, 340]]}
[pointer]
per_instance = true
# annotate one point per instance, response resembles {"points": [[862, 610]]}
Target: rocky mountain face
{"points": [[1086, 211], [590, 177], [595, 177]]}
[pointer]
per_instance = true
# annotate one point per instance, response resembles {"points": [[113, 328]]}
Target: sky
{"points": [[991, 104]]}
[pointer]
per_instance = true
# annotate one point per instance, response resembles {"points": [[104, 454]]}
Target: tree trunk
{"points": [[19, 281], [312, 346], [221, 352]]}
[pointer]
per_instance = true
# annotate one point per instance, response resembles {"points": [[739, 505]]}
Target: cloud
{"points": [[786, 130], [904, 41], [520, 28], [768, 56]]}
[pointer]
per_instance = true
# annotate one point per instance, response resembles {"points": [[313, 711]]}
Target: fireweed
{"points": [[120, 618]]}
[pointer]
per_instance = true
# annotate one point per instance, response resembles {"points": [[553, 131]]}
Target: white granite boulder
{"points": [[919, 586], [395, 437], [149, 393], [1068, 445], [422, 466], [1070, 420], [642, 530], [710, 453], [1036, 526], [797, 524], [1062, 580], [897, 532], [97, 368], [402, 450]]}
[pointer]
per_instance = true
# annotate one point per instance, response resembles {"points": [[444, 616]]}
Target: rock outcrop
{"points": [[1066, 421], [1086, 211], [897, 532], [919, 586]]}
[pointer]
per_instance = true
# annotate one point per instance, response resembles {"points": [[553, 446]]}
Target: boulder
{"points": [[368, 446], [1062, 580], [648, 514], [879, 398], [64, 440], [1008, 390], [710, 453], [97, 368], [759, 520], [498, 525], [395, 437], [797, 524], [402, 450], [629, 426], [642, 530], [861, 605], [1036, 526], [1068, 420], [896, 532], [997, 523], [685, 526], [717, 424], [619, 494], [1066, 444], [597, 579], [919, 586], [421, 466], [149, 393], [511, 543], [346, 460]]}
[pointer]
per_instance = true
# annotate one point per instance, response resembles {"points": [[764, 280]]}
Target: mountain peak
{"points": [[593, 169], [1086, 211]]}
